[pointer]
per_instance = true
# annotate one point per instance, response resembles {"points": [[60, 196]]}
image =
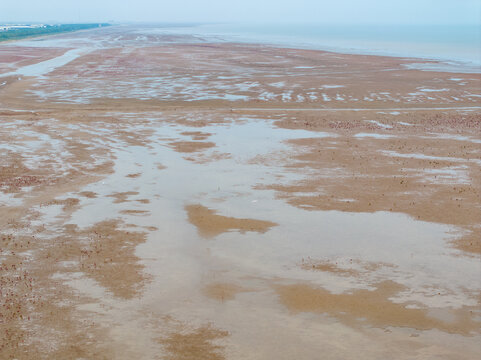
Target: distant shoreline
{"points": [[19, 34], [427, 43]]}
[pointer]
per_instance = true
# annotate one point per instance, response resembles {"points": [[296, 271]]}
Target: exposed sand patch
{"points": [[134, 212], [194, 344], [68, 203], [191, 146], [196, 135], [32, 298], [209, 224], [143, 201], [88, 194], [133, 176], [202, 158], [444, 173], [222, 291], [122, 196], [152, 228], [105, 253], [352, 267], [15, 298], [328, 267], [470, 243], [15, 175], [373, 308]]}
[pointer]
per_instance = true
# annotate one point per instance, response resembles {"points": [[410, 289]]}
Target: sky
{"points": [[246, 11]]}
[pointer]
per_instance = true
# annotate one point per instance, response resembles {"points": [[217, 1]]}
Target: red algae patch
{"points": [[371, 307], [209, 224]]}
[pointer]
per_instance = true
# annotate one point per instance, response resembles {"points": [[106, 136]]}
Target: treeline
{"points": [[15, 34]]}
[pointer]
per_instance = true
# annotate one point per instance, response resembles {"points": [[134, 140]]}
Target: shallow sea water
{"points": [[181, 262]]}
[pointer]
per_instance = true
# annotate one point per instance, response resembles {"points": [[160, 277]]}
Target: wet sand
{"points": [[165, 197]]}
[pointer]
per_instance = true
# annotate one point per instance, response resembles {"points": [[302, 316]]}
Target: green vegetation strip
{"points": [[16, 34]]}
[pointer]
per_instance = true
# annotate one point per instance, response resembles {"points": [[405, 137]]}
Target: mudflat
{"points": [[166, 197]]}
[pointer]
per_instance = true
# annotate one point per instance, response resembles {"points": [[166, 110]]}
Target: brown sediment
{"points": [[122, 196], [372, 307], [14, 175], [194, 344], [470, 243], [31, 298], [16, 288], [209, 224], [413, 172], [68, 203], [88, 194], [202, 158], [106, 253], [191, 146], [18, 56], [327, 267], [349, 268], [143, 201], [134, 212], [222, 291], [133, 176], [196, 135]]}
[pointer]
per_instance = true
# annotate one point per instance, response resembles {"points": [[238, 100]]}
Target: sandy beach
{"points": [[164, 197]]}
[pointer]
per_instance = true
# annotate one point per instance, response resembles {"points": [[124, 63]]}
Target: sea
{"points": [[456, 46]]}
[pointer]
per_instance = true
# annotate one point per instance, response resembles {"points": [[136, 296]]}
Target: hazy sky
{"points": [[305, 11]]}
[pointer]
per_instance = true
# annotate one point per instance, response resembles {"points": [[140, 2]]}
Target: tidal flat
{"points": [[168, 197]]}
